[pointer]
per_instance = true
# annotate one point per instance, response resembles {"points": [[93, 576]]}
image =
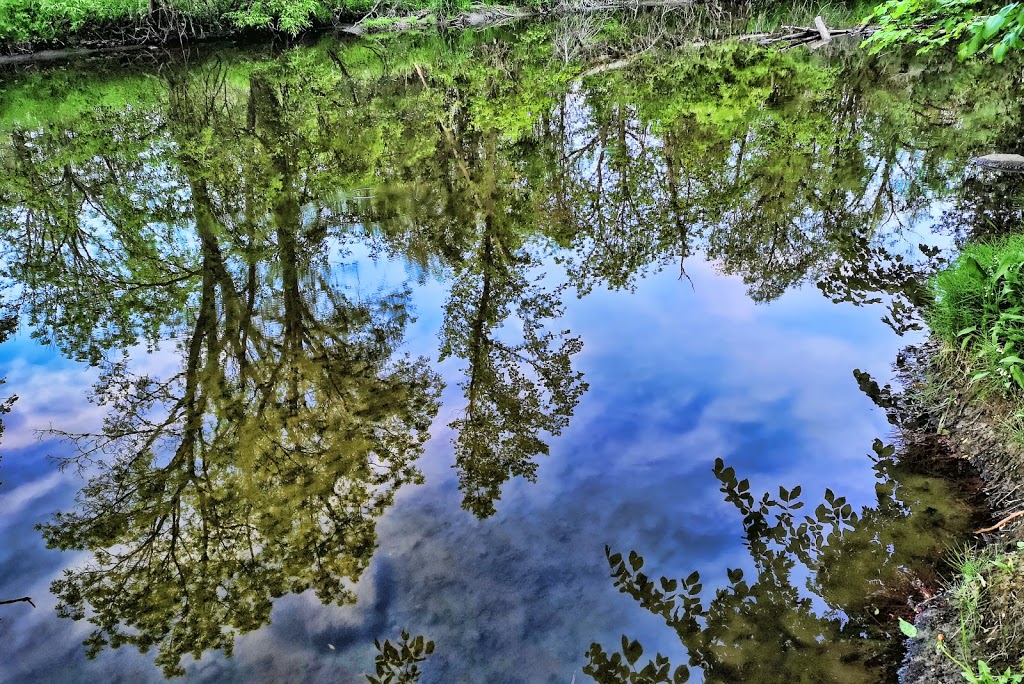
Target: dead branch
{"points": [[813, 37], [823, 30], [23, 599]]}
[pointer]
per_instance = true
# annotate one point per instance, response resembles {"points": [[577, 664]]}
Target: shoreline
{"points": [[973, 428], [477, 17], [136, 36]]}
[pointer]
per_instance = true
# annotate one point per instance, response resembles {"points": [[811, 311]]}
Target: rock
{"points": [[1012, 163], [923, 664], [476, 18]]}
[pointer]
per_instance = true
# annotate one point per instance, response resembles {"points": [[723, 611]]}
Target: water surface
{"points": [[517, 341]]}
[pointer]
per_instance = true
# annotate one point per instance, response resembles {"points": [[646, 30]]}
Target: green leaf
{"points": [[632, 650], [908, 629], [1018, 375], [980, 375], [992, 26]]}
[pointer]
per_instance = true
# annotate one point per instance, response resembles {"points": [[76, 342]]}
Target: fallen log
{"points": [[813, 37]]}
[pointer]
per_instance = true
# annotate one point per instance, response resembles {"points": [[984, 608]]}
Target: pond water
{"points": [[519, 340]]}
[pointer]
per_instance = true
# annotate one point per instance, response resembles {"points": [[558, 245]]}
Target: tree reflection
{"points": [[87, 214], [514, 390], [519, 383], [780, 181], [8, 325], [400, 663], [259, 466]]}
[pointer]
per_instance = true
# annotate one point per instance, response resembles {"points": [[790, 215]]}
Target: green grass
{"points": [[836, 13], [978, 310], [977, 592], [967, 593], [978, 595]]}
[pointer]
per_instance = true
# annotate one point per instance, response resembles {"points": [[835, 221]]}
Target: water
{"points": [[475, 337]]}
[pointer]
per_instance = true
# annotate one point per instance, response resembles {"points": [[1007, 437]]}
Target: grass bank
{"points": [[27, 25], [977, 386]]}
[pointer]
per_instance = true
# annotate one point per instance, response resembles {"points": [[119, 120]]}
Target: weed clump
{"points": [[987, 593], [1002, 629]]}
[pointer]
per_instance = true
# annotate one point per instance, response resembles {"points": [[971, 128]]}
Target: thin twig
{"points": [[23, 599], [1002, 523], [368, 14]]}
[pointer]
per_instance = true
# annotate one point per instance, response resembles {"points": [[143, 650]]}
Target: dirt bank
{"points": [[977, 429]]}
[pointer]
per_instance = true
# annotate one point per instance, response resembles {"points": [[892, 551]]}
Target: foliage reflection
{"points": [[818, 597]]}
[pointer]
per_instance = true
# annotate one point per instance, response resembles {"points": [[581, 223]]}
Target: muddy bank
{"points": [[976, 430]]}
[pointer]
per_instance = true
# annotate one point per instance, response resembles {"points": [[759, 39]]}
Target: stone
{"points": [[1013, 163]]}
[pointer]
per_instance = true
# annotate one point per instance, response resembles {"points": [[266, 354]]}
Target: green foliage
{"points": [[25, 20], [971, 26], [288, 16], [979, 311], [966, 592], [981, 673], [57, 20], [624, 667], [984, 590], [908, 629], [984, 675]]}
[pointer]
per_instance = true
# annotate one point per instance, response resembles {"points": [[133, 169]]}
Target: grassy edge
{"points": [[977, 314]]}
